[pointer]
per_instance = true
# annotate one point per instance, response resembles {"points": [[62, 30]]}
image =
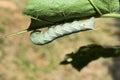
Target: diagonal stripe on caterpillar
{"points": [[57, 31]]}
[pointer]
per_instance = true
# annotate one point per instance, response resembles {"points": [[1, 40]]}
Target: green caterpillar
{"points": [[57, 31]]}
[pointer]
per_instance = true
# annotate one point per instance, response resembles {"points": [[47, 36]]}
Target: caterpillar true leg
{"points": [[40, 38]]}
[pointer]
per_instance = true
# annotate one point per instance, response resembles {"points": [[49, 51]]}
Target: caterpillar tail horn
{"points": [[17, 33]]}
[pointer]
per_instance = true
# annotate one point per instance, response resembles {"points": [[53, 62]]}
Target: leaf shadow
{"points": [[85, 54]]}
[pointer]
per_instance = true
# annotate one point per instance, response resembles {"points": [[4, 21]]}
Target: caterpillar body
{"points": [[56, 31]]}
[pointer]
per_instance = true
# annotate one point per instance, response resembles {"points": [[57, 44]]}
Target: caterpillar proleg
{"points": [[56, 31]]}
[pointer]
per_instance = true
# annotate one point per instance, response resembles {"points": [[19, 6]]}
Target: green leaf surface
{"points": [[48, 12]]}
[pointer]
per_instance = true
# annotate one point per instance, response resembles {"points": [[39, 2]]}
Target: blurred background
{"points": [[22, 60]]}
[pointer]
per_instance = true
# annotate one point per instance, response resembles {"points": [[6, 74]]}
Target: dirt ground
{"points": [[22, 60]]}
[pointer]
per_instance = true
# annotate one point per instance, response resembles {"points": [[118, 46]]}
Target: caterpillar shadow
{"points": [[84, 55]]}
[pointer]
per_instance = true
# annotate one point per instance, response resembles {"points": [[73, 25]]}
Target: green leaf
{"points": [[48, 12]]}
